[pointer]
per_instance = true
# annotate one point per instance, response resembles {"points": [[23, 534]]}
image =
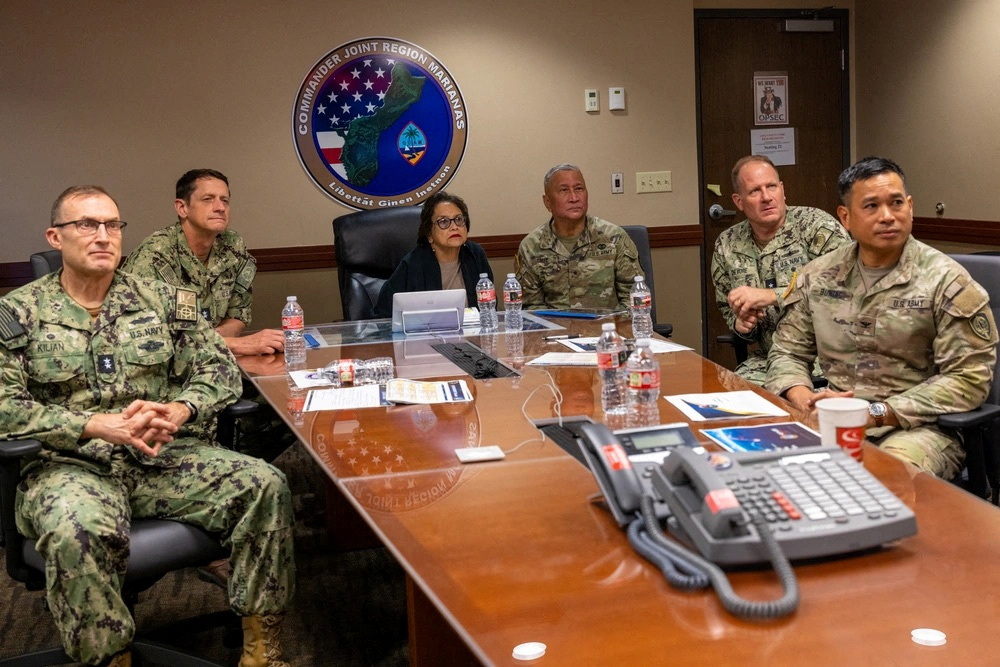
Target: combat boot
{"points": [[260, 642]]}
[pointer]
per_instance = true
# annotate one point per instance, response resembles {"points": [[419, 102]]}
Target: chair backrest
{"points": [[368, 246], [45, 262], [640, 237], [985, 270]]}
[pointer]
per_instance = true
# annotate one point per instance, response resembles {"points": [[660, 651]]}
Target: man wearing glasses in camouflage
{"points": [[111, 372]]}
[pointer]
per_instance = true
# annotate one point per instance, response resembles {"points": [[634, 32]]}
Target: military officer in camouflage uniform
{"points": [[890, 320], [107, 370], [201, 253], [575, 260], [755, 260]]}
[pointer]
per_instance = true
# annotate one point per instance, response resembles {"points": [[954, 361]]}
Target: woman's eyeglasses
{"points": [[445, 223]]}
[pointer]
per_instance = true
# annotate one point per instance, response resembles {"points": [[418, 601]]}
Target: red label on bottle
{"points": [[607, 361], [291, 322], [486, 295], [644, 379], [642, 301]]}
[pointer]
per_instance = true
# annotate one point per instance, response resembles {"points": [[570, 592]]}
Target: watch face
{"points": [[877, 409]]}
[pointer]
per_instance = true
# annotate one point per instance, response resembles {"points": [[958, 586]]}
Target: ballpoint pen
{"points": [[562, 337]]}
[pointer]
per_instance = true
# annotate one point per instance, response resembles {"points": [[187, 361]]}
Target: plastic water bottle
{"points": [[641, 302], [343, 372], [292, 323], [643, 385], [611, 361], [512, 304], [486, 299]]}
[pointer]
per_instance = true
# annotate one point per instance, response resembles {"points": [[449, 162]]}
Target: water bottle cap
{"points": [[293, 298], [639, 279], [510, 275], [608, 326]]}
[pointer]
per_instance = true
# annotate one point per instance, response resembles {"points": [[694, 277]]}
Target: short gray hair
{"points": [[565, 166]]}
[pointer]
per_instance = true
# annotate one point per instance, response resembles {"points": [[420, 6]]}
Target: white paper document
{"points": [[394, 391], [725, 405], [565, 359], [589, 344]]}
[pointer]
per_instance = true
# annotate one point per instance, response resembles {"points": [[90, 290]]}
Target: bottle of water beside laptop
{"points": [[641, 303], [293, 323], [512, 319], [611, 360], [486, 298], [643, 386]]}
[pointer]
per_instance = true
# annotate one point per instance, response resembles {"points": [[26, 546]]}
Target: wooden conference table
{"points": [[512, 551]]}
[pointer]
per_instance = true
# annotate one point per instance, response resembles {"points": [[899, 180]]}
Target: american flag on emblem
{"points": [[354, 91]]}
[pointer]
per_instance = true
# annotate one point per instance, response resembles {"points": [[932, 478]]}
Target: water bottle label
{"points": [[642, 301], [291, 322], [346, 369], [644, 379], [607, 361], [486, 295], [512, 296]]}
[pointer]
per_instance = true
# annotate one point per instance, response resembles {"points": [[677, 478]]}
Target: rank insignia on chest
{"points": [[105, 363], [186, 309], [206, 314], [770, 283]]}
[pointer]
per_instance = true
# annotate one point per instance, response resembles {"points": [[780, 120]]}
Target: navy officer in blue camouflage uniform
{"points": [[113, 374]]}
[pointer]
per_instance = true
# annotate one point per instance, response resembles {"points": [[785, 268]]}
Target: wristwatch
{"points": [[193, 410], [878, 412]]}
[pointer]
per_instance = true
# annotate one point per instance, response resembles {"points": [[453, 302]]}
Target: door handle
{"points": [[716, 212]]}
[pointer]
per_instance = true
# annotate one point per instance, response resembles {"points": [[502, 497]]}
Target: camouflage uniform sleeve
{"points": [[825, 234], [140, 262], [964, 352], [21, 415], [793, 348], [626, 269], [723, 285], [531, 285], [241, 297], [207, 370]]}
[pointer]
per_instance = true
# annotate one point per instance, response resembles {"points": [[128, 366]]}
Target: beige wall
{"points": [[928, 95]]}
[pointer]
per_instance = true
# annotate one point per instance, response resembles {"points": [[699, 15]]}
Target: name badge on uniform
{"points": [[105, 363]]}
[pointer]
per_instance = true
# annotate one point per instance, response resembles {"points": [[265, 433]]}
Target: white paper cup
{"points": [[842, 423]]}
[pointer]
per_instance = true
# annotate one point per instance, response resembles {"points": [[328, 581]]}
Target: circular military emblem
{"points": [[981, 326], [379, 122]]}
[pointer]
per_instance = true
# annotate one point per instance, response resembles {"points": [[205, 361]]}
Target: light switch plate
{"points": [[591, 100]]}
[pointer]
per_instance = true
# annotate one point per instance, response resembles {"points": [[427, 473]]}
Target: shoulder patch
{"points": [[966, 299], [981, 326], [10, 327], [186, 306]]}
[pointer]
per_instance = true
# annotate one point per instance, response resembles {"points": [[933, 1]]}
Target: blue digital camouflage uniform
{"points": [[922, 340], [737, 261], [598, 274], [59, 367], [225, 290]]}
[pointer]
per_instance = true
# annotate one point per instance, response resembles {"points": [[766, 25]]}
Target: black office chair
{"points": [[156, 548], [640, 237], [45, 262], [368, 246], [979, 428]]}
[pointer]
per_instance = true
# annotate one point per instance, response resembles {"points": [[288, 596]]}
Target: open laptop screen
{"points": [[425, 312]]}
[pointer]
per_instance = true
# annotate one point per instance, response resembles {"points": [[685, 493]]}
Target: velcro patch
{"points": [[186, 306], [10, 328]]}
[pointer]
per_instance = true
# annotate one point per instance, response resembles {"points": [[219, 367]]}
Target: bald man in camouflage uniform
{"points": [[755, 260], [110, 372], [891, 320], [201, 253], [575, 260]]}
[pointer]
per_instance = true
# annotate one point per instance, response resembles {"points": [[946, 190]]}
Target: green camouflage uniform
{"points": [[922, 340], [59, 367], [225, 290], [737, 261], [598, 273]]}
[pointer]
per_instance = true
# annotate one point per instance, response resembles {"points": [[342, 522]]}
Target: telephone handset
{"points": [[612, 469]]}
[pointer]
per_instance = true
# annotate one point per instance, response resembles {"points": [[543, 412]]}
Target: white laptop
{"points": [[434, 311]]}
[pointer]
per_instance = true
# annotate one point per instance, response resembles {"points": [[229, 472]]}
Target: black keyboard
{"points": [[474, 361]]}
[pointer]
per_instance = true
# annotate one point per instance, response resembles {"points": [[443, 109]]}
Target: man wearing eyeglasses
{"points": [[113, 373], [575, 260]]}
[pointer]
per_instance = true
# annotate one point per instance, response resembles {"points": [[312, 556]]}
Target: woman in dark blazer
{"points": [[444, 258]]}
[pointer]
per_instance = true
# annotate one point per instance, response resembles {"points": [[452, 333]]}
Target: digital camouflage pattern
{"points": [[59, 367], [224, 285], [737, 261], [225, 290], [599, 273], [922, 340]]}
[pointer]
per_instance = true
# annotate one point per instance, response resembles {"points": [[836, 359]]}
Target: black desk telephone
{"points": [[740, 508]]}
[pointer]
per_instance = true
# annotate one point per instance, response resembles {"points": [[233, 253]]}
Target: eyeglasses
{"points": [[445, 223], [89, 227]]}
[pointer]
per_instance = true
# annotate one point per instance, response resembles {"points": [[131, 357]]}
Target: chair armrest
{"points": [[12, 455], [664, 329], [240, 408], [982, 415], [740, 345], [17, 449]]}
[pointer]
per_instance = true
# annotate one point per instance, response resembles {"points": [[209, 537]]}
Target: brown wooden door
{"points": [[732, 46]]}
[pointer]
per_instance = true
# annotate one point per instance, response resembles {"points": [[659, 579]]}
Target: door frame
{"points": [[842, 14]]}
